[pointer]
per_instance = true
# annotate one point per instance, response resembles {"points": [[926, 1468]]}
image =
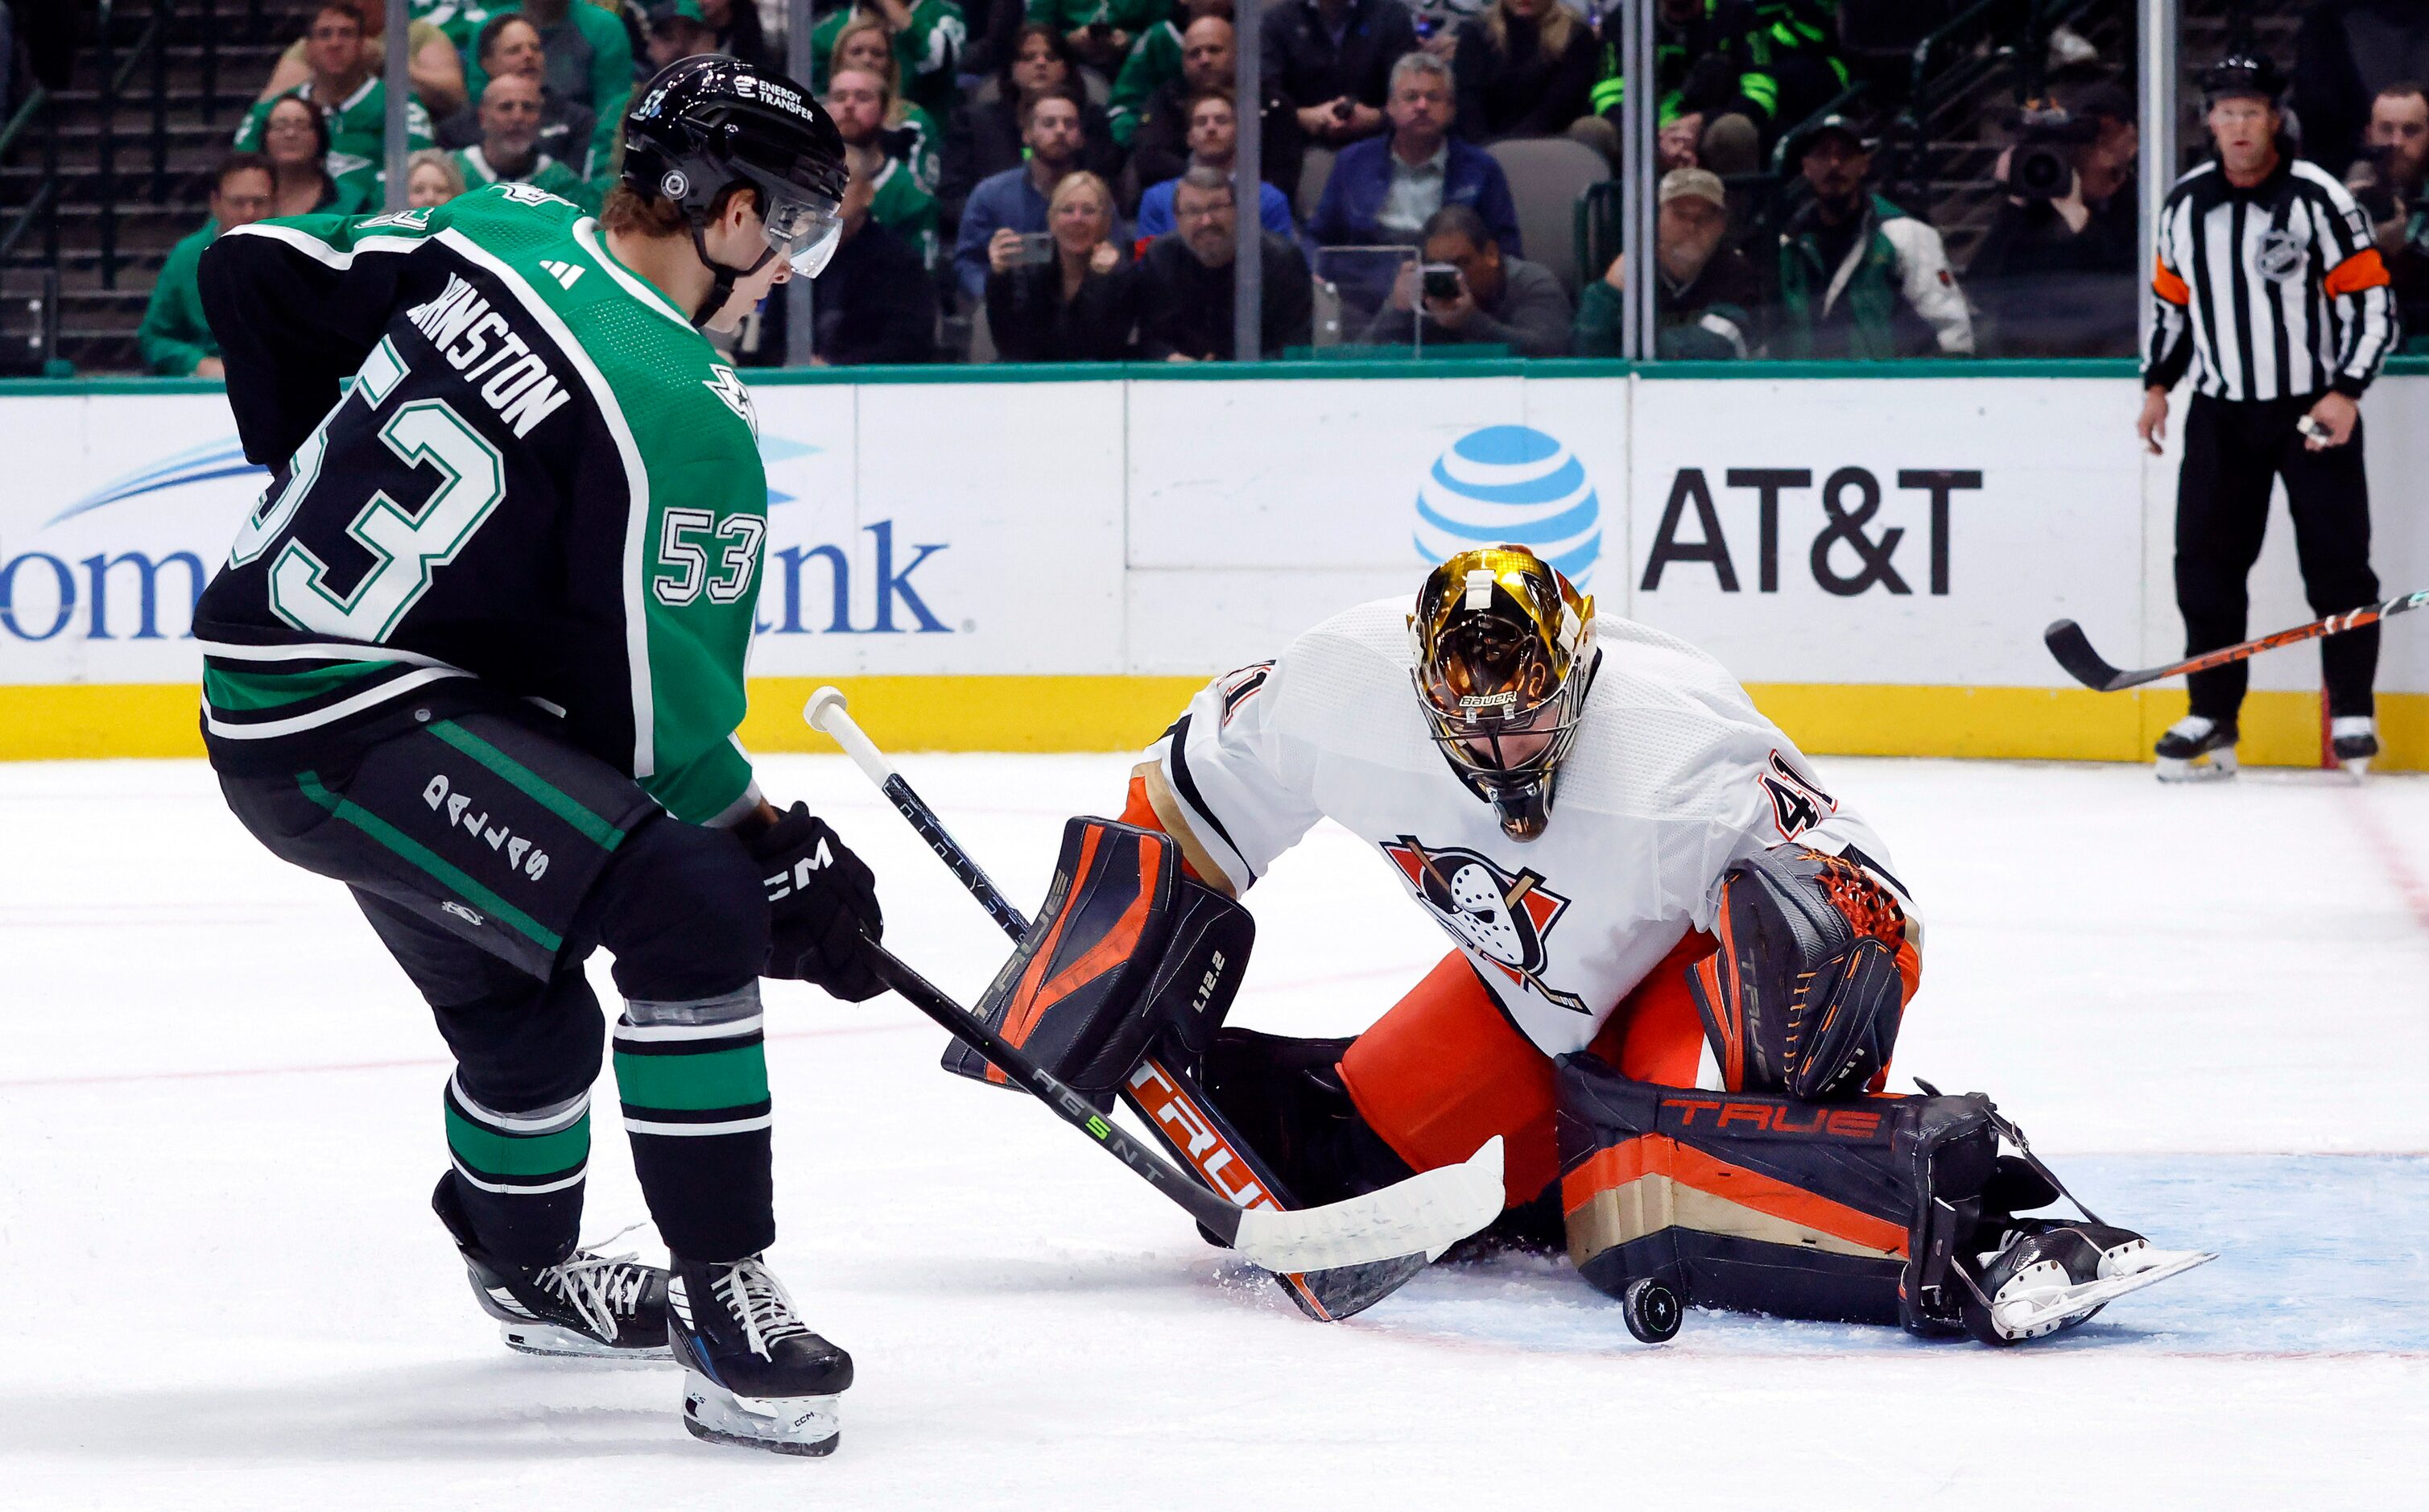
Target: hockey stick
{"points": [[2072, 648], [1427, 1214], [1193, 1130]]}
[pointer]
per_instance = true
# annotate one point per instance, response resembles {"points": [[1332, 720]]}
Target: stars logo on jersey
{"points": [[1797, 803], [1498, 916], [564, 273], [727, 385]]}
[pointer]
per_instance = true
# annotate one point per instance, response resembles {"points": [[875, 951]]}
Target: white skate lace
{"points": [[751, 1294], [600, 1286]]}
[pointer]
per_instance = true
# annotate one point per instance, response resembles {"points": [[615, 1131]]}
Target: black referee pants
{"points": [[2234, 451]]}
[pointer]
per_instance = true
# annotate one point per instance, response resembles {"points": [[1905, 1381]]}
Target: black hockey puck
{"points": [[1652, 1310]]}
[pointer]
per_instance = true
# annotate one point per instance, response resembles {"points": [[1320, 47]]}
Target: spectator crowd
{"points": [[1055, 180]]}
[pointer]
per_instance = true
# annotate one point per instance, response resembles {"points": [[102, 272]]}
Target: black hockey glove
{"points": [[820, 896]]}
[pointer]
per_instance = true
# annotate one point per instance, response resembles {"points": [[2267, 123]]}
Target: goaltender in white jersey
{"points": [[1681, 964], [1673, 777]]}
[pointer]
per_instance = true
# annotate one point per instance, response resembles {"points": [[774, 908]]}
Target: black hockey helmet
{"points": [[2245, 72], [706, 123]]}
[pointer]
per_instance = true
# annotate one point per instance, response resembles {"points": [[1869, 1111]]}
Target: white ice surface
{"points": [[218, 1126]]}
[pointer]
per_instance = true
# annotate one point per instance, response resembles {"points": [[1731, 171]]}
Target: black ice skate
{"points": [[2197, 748], [598, 1306], [2049, 1274], [753, 1372], [2353, 738]]}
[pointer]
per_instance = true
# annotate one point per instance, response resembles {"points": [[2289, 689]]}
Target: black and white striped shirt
{"points": [[2268, 292]]}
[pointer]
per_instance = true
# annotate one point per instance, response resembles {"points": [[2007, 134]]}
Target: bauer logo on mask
{"points": [[1501, 917]]}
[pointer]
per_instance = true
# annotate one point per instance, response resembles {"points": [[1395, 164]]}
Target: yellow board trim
{"points": [[85, 721]]}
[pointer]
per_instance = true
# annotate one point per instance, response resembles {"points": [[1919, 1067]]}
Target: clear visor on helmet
{"points": [[803, 230]]}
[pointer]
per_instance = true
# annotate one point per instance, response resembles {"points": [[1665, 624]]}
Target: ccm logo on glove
{"points": [[784, 884]]}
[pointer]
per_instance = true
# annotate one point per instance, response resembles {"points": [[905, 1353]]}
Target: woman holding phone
{"points": [[1064, 296]]}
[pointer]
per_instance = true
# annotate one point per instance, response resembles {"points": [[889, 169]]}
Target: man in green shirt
{"points": [[434, 61], [1154, 62], [1100, 31], [175, 338], [928, 40], [341, 82], [509, 151], [856, 100], [589, 62]]}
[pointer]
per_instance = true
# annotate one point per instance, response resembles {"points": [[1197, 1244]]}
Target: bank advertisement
{"points": [[1847, 531]]}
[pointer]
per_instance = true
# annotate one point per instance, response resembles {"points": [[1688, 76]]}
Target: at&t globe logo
{"points": [[1516, 484]]}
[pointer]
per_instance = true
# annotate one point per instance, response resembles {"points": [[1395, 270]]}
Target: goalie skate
{"points": [[2057, 1275]]}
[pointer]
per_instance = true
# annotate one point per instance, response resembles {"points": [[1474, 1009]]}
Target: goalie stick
{"points": [[2072, 648], [1190, 1129], [1424, 1215]]}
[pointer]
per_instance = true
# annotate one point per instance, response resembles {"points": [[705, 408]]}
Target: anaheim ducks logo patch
{"points": [[1501, 917]]}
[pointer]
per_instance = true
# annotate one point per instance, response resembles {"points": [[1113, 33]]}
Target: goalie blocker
{"points": [[1125, 955]]}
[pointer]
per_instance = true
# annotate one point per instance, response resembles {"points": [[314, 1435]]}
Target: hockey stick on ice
{"points": [[1205, 1142], [2072, 648], [1427, 1214]]}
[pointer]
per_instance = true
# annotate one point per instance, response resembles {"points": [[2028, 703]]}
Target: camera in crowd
{"points": [[2041, 166]]}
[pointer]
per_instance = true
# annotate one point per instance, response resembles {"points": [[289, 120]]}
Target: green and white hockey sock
{"points": [[693, 1077], [519, 1174]]}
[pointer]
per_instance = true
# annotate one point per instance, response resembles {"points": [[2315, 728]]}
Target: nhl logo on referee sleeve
{"points": [[2280, 257]]}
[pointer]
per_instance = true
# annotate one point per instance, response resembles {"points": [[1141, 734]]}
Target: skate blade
{"points": [[565, 1343], [2216, 767], [2128, 1268], [2357, 767], [782, 1425]]}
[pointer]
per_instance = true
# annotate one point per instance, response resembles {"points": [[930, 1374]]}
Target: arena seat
{"points": [[1546, 176], [1313, 170]]}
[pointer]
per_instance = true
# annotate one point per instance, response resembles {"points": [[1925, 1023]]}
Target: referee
{"points": [[2273, 296]]}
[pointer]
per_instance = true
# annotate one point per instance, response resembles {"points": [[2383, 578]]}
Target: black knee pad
{"points": [[534, 1044], [682, 910]]}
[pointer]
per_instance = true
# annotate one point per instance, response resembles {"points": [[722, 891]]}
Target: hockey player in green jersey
{"points": [[478, 654]]}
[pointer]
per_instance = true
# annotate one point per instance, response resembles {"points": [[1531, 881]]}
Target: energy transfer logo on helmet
{"points": [[1503, 657], [706, 123]]}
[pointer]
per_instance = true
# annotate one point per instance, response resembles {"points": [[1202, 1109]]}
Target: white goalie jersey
{"points": [[1674, 776]]}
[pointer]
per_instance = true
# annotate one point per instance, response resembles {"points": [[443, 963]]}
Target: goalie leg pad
{"points": [[1846, 1212], [1125, 949], [1805, 994]]}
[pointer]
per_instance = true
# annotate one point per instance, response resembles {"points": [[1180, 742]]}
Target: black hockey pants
{"points": [[493, 857], [2233, 453]]}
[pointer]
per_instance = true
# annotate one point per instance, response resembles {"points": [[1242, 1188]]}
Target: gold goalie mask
{"points": [[1504, 657]]}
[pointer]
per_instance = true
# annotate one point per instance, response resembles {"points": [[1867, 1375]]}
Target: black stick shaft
{"points": [[932, 829], [1217, 1214]]}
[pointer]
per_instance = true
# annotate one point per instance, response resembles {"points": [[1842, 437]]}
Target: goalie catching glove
{"points": [[1125, 948], [1805, 994]]}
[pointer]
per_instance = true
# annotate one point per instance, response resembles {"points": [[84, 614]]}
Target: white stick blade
{"points": [[1426, 1214]]}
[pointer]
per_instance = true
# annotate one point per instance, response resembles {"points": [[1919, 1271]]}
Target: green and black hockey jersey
{"points": [[541, 477]]}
